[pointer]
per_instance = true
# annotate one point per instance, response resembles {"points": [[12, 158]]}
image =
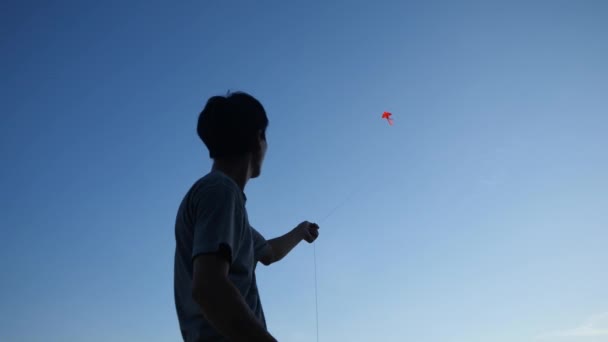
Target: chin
{"points": [[256, 173]]}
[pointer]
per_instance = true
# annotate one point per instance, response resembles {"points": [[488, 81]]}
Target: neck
{"points": [[237, 169]]}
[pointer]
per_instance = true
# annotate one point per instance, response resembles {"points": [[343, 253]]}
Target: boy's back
{"points": [[212, 219]]}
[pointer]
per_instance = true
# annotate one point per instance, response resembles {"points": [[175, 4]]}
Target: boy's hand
{"points": [[308, 231], [284, 244]]}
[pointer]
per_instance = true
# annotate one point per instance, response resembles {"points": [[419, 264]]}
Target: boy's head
{"points": [[234, 126]]}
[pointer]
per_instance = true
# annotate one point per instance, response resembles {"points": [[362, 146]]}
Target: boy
{"points": [[217, 250]]}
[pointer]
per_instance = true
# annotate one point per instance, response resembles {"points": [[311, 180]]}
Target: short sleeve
{"points": [[215, 221], [259, 243]]}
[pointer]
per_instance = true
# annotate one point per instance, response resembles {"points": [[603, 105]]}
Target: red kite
{"points": [[387, 116]]}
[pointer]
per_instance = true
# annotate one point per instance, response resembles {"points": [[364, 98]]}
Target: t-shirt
{"points": [[211, 218]]}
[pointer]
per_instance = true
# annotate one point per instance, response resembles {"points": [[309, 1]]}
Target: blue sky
{"points": [[476, 217]]}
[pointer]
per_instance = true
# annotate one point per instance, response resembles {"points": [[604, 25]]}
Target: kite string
{"points": [[331, 212], [314, 249], [316, 296], [334, 209]]}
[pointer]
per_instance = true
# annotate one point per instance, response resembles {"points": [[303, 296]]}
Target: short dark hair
{"points": [[229, 125]]}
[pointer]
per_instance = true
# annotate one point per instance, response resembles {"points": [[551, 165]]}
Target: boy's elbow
{"points": [[267, 256], [267, 260]]}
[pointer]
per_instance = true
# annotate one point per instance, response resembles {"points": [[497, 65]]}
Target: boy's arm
{"points": [[279, 247], [216, 235], [222, 303]]}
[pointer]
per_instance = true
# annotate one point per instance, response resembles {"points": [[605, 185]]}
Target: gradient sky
{"points": [[476, 217]]}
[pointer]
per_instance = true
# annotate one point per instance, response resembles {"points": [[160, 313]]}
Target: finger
{"points": [[307, 233], [311, 236]]}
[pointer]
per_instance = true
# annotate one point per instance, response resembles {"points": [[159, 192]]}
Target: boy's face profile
{"points": [[258, 157]]}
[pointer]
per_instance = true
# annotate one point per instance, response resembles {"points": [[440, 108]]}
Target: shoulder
{"points": [[214, 188]]}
